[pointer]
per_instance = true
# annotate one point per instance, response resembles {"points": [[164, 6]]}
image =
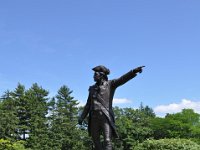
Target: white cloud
{"points": [[121, 101], [177, 107]]}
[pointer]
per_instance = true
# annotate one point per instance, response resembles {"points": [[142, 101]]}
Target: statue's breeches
{"points": [[100, 124]]}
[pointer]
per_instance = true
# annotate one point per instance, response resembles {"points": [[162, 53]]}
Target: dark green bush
{"points": [[167, 144]]}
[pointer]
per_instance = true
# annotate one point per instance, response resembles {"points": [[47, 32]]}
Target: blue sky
{"points": [[55, 43]]}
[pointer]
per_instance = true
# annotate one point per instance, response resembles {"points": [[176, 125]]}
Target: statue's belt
{"points": [[105, 109]]}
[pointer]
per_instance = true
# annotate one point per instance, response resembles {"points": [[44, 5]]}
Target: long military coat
{"points": [[105, 97]]}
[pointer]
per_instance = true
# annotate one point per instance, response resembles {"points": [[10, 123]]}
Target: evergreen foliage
{"points": [[22, 111], [38, 108], [8, 119], [64, 120]]}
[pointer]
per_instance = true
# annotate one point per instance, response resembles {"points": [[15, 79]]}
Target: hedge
{"points": [[8, 145], [167, 144]]}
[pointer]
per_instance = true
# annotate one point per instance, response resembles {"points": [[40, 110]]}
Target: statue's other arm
{"points": [[126, 77], [85, 111]]}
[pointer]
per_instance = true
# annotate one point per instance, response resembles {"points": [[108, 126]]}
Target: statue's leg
{"points": [[95, 131], [107, 132]]}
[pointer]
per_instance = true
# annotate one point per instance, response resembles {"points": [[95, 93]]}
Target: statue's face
{"points": [[97, 76]]}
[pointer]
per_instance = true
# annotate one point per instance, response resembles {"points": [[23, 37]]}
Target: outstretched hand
{"points": [[139, 69]]}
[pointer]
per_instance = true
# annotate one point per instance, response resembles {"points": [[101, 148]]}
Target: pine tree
{"points": [[22, 111], [8, 119], [64, 119], [38, 107]]}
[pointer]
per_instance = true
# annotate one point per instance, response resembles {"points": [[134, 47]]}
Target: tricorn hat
{"points": [[101, 68]]}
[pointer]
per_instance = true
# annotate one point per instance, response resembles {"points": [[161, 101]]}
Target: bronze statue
{"points": [[99, 105]]}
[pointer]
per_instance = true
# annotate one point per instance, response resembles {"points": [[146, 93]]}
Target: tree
{"points": [[22, 111], [187, 116], [179, 125], [38, 123], [166, 128], [190, 123], [147, 111], [133, 125], [8, 119], [64, 119]]}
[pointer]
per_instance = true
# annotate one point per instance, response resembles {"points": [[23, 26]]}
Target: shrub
{"points": [[167, 144], [8, 145]]}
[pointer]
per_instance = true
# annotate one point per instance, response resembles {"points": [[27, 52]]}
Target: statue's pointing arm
{"points": [[126, 77]]}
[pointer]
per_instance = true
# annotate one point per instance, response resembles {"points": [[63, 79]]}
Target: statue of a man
{"points": [[99, 105]]}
